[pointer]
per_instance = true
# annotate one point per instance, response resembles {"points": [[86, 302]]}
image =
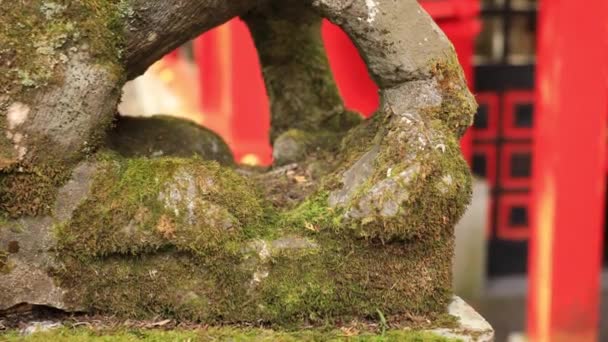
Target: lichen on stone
{"points": [[39, 42], [458, 106], [142, 205]]}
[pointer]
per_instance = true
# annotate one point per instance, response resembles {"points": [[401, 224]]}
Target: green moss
{"points": [[132, 251], [432, 197], [338, 281], [437, 189], [298, 77], [37, 36], [313, 214], [142, 205], [224, 334], [30, 191], [349, 280], [169, 284], [37, 39], [458, 105]]}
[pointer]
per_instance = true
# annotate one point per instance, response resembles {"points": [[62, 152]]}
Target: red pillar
{"points": [[569, 171], [358, 90], [233, 96]]}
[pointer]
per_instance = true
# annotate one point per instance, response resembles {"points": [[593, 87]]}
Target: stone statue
{"points": [[355, 217]]}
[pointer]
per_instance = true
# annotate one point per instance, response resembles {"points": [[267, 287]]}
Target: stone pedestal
{"points": [[473, 327]]}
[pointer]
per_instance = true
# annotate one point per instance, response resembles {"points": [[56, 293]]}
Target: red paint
{"points": [[512, 166], [233, 95], [508, 229], [512, 100], [569, 171], [172, 56], [450, 9], [358, 90], [488, 102]]}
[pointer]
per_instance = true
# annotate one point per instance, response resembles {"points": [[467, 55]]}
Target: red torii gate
{"points": [[569, 171]]}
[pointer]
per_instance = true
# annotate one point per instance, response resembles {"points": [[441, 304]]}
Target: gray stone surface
{"points": [[473, 327], [59, 122], [30, 242], [162, 135], [288, 149], [354, 177], [396, 38]]}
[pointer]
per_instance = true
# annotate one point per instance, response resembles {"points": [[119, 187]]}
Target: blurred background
{"points": [[529, 251]]}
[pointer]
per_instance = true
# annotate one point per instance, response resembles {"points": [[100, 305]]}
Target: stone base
{"points": [[473, 327]]}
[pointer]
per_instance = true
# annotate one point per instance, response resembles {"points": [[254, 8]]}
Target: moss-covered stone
{"points": [[188, 239], [164, 135], [29, 191], [36, 37], [458, 105], [412, 196], [143, 205], [44, 44], [299, 82]]}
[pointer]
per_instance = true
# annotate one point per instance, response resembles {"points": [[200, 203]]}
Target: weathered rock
{"points": [[397, 39], [61, 69], [25, 273], [296, 145], [163, 135], [299, 82], [138, 237], [405, 178], [60, 81], [194, 240]]}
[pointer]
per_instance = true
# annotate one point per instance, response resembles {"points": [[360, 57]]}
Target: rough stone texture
{"points": [[299, 82], [63, 119], [355, 177], [297, 145], [60, 121], [155, 28], [59, 71], [169, 233], [163, 135], [472, 327], [25, 277], [193, 240], [288, 149], [396, 38]]}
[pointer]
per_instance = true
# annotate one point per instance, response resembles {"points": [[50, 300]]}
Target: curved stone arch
{"points": [[398, 39]]}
